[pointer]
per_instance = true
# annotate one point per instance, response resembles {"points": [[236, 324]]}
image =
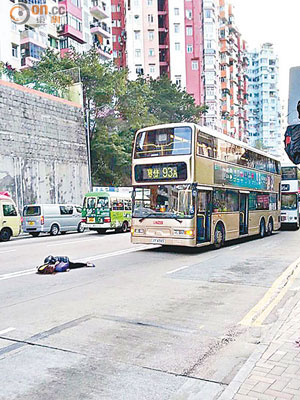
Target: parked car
{"points": [[52, 218], [10, 220]]}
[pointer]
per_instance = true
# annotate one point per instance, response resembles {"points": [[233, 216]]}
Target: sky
{"points": [[274, 21]]}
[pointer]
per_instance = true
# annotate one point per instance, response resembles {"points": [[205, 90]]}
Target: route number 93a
{"points": [[170, 172]]}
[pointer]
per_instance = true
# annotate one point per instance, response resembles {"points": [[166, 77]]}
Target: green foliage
{"points": [[114, 106]]}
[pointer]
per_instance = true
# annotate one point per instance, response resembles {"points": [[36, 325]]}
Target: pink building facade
{"points": [[194, 49]]}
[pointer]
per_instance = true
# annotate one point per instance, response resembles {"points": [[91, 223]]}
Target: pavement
{"points": [[148, 322], [273, 370]]}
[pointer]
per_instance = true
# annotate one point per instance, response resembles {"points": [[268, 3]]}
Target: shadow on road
{"points": [[204, 249]]}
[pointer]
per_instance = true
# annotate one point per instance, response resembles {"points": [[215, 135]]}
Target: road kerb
{"points": [[244, 372], [263, 308]]}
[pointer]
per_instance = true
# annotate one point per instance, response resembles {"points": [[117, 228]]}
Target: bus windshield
{"points": [[163, 202], [289, 201], [164, 142]]}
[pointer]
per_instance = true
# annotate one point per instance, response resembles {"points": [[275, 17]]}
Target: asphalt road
{"points": [[146, 323]]}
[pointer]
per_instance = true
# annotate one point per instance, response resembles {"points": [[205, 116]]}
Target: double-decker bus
{"points": [[194, 186], [290, 188]]}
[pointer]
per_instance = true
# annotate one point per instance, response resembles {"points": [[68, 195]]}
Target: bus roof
{"points": [[211, 132], [118, 195]]}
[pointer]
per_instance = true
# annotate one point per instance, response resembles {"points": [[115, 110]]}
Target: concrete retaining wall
{"points": [[43, 155]]}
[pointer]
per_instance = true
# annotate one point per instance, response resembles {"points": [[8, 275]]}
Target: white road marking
{"points": [[7, 251], [97, 257], [7, 330], [17, 274], [233, 248], [178, 269], [116, 253], [73, 241]]}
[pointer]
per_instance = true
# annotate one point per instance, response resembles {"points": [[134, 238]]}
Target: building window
{"points": [[151, 52], [189, 31], [189, 48], [150, 18], [137, 35], [177, 46], [189, 14], [151, 35], [113, 8], [14, 50], [176, 11], [115, 54], [76, 3], [114, 38], [139, 70], [150, 3], [178, 80], [152, 69], [195, 65], [207, 13], [138, 52], [176, 28]]}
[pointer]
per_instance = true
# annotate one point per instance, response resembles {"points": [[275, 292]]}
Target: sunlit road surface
{"points": [[147, 323]]}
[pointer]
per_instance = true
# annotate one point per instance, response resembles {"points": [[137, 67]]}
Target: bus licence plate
{"points": [[91, 220], [159, 241]]}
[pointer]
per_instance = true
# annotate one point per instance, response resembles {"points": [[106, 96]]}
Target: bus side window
{"points": [[118, 205], [206, 145], [127, 205]]}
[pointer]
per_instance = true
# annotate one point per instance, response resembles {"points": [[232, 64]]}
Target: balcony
{"points": [[30, 36], [98, 9], [101, 29], [28, 62], [104, 51]]}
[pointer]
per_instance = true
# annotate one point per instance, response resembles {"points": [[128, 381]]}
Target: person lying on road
{"points": [[60, 264]]}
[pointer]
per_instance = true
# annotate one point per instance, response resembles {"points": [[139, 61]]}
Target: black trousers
{"points": [[76, 265]]}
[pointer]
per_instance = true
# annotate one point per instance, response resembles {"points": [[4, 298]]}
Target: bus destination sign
{"points": [[241, 177], [161, 172]]}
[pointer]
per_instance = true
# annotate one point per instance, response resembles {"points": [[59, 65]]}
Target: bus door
{"points": [[244, 212], [204, 211]]}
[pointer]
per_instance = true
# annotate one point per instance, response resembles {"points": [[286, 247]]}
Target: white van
{"points": [[10, 220], [52, 218]]}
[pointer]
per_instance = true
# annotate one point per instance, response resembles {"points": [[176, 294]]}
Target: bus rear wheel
{"points": [[124, 227], [262, 229], [270, 227], [219, 236]]}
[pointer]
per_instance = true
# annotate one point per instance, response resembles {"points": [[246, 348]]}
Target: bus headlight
{"points": [[136, 230], [189, 232], [182, 232]]}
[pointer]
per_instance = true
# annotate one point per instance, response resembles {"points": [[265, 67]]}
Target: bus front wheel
{"points": [[219, 237]]}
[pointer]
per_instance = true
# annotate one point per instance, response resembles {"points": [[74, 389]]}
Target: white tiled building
{"points": [[264, 108]]}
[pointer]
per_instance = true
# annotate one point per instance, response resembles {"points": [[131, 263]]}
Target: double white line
{"points": [[93, 258]]}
